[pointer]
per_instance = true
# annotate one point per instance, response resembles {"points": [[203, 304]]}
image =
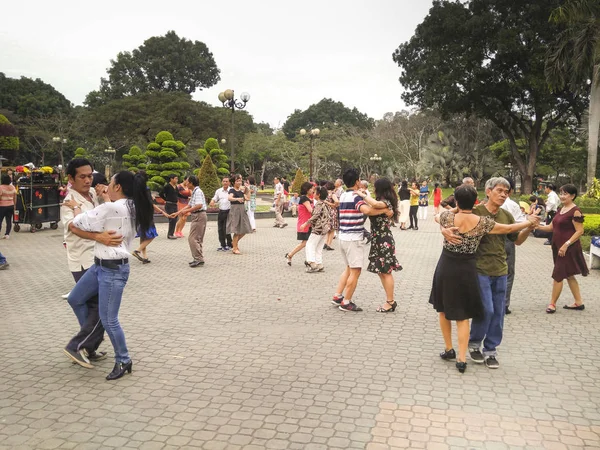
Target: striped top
{"points": [[352, 221]]}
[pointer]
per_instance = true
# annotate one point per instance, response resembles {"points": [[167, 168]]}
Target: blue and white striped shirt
{"points": [[352, 221]]}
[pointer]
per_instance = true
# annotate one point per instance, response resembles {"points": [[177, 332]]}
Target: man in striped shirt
{"points": [[353, 211], [197, 209]]}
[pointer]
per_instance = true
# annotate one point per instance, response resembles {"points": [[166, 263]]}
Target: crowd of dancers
{"points": [[471, 285]]}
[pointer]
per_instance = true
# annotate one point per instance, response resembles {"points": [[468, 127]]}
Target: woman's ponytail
{"points": [[135, 189]]}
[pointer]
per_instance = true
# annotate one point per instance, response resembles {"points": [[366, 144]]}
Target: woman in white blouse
{"points": [[130, 209]]}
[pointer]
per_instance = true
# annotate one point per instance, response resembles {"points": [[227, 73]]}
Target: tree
{"points": [[207, 177], [486, 58], [135, 160], [80, 152], [326, 113], [27, 97], [162, 63], [166, 157], [298, 180], [9, 140], [574, 60], [218, 156]]}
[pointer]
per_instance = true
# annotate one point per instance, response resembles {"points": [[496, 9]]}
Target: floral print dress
{"points": [[382, 257]]}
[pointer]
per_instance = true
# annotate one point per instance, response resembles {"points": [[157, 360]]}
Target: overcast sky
{"points": [[287, 55]]}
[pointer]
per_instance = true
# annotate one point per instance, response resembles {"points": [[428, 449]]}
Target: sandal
{"points": [[551, 309], [289, 259], [136, 254], [575, 307], [381, 309]]}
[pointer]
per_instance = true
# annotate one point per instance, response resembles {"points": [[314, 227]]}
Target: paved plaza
{"points": [[249, 353]]}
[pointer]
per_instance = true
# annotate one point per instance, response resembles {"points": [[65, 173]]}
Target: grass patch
{"points": [[586, 241]]}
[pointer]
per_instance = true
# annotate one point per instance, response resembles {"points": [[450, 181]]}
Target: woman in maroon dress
{"points": [[567, 228]]}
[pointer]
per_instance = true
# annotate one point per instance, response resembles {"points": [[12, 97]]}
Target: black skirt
{"points": [[455, 290]]}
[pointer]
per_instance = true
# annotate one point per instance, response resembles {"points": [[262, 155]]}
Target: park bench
{"points": [[594, 257]]}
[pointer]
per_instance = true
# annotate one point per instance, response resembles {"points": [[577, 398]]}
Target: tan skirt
{"points": [[238, 221]]}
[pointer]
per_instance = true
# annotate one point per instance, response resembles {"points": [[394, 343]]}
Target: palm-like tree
{"points": [[574, 63]]}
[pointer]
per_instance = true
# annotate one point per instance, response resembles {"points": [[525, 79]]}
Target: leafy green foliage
{"points": [[164, 136], [326, 113], [594, 190], [487, 58], [135, 160], [81, 152], [9, 141], [163, 63], [207, 178], [164, 162], [27, 97], [298, 180], [216, 154]]}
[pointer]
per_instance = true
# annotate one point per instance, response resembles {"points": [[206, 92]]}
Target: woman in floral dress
{"points": [[382, 257]]}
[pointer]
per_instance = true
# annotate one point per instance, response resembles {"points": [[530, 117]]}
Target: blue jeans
{"points": [[2, 259], [108, 285], [488, 329]]}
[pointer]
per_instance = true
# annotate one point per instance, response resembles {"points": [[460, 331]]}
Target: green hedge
{"points": [[591, 226]]}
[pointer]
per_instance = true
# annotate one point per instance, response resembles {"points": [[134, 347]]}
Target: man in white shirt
{"points": [[82, 197], [222, 198], [279, 200], [515, 210], [197, 209], [552, 203]]}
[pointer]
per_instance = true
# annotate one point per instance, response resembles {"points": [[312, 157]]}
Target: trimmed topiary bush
{"points": [[166, 157], [298, 180], [208, 179], [163, 136], [217, 155], [134, 159]]}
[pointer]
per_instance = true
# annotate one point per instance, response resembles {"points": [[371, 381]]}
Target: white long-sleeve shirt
{"points": [[109, 216], [552, 201], [515, 210]]}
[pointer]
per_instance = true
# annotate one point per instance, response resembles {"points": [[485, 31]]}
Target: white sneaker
{"points": [[66, 296], [6, 236]]}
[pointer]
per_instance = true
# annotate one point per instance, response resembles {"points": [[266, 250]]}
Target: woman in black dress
{"points": [[382, 256], [455, 291]]}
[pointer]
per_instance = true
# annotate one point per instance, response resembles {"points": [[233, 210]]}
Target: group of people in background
{"points": [[472, 281]]}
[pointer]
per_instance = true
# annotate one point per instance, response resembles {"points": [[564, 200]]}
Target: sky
{"points": [[286, 54]]}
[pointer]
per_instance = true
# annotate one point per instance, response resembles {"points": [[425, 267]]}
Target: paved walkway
{"points": [[247, 352]]}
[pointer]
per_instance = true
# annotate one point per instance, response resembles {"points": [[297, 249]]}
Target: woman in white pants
{"points": [[321, 225], [404, 196], [251, 184]]}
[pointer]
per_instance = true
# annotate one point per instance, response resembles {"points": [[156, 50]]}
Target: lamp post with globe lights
{"points": [[227, 98], [62, 142], [313, 134], [111, 154], [375, 159]]}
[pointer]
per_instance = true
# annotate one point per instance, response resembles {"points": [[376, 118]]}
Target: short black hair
{"points": [[532, 198], [75, 164], [511, 182], [465, 196], [170, 177], [193, 180], [570, 189], [323, 192], [5, 179], [552, 186], [350, 177], [98, 178], [306, 186], [330, 186]]}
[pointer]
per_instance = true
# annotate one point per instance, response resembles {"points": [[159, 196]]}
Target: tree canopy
{"points": [[487, 57], [162, 63], [27, 97], [325, 114]]}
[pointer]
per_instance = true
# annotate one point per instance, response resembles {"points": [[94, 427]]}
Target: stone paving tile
{"points": [[247, 352]]}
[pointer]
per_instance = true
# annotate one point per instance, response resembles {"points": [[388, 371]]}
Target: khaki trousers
{"points": [[196, 235]]}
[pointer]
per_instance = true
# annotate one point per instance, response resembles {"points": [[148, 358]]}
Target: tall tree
{"points": [[487, 57], [162, 63], [574, 63], [326, 113], [9, 141], [27, 97]]}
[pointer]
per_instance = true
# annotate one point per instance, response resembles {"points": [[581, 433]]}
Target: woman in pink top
{"points": [[304, 214], [8, 197]]}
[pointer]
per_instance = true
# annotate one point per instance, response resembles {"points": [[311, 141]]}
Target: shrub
{"points": [[80, 152], [167, 155], [202, 153], [217, 155], [162, 137], [153, 146], [298, 180], [158, 180], [152, 154], [169, 144], [211, 144], [207, 178], [591, 226], [9, 141]]}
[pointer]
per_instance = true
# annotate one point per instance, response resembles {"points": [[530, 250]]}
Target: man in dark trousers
{"points": [[221, 198], [81, 197], [170, 195]]}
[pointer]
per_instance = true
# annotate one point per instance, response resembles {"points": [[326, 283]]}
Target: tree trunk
{"points": [[594, 126]]}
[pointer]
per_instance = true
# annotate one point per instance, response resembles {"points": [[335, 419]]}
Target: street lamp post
{"points": [[375, 160], [314, 133], [228, 99], [62, 142], [111, 153]]}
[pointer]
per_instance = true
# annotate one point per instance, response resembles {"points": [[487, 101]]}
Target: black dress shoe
{"points": [[119, 370], [96, 356], [448, 354], [507, 311], [171, 237], [461, 366], [575, 308], [197, 263]]}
